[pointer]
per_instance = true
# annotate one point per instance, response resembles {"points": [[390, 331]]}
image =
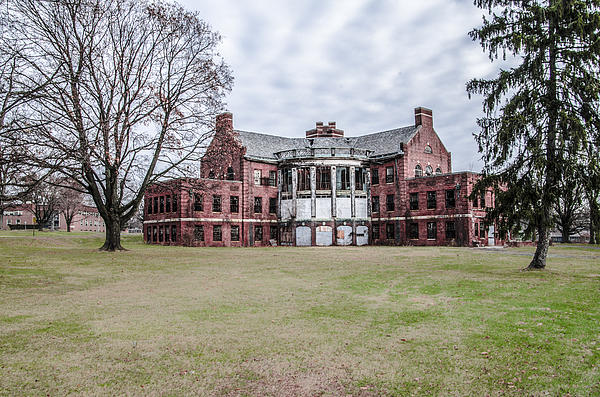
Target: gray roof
{"points": [[263, 146]]}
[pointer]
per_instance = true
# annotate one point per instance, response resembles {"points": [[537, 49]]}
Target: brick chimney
{"points": [[424, 117], [325, 131], [224, 122]]}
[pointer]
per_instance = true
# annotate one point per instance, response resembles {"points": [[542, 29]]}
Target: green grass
{"points": [[294, 321]]}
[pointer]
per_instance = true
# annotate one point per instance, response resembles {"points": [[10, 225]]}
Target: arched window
{"points": [[211, 174], [230, 174], [428, 149], [438, 171], [418, 171], [428, 170]]}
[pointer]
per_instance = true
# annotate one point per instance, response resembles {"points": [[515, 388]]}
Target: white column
{"points": [[333, 195], [313, 192]]}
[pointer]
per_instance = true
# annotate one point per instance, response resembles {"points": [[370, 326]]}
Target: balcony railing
{"points": [[322, 152]]}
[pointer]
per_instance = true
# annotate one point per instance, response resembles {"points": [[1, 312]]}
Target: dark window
{"points": [[450, 201], [374, 176], [257, 205], [258, 233], [230, 174], [160, 234], [376, 231], [389, 174], [235, 233], [482, 200], [428, 149], [359, 178], [174, 233], [303, 178], [389, 231], [428, 170], [323, 178], [414, 201], [482, 230], [450, 230], [211, 174], [162, 204], [389, 202], [287, 180], [234, 204], [217, 233], [155, 234], [272, 178], [149, 205], [413, 230], [418, 171], [431, 230], [273, 233], [272, 205], [438, 171], [475, 201], [174, 204], [198, 202], [342, 179], [216, 207], [476, 229], [199, 232], [155, 205], [148, 234], [168, 204], [167, 234], [431, 200], [375, 204]]}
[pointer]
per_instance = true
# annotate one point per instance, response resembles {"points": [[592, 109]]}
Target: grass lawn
{"points": [[294, 321]]}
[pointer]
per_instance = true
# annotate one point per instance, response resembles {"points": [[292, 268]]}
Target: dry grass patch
{"points": [[294, 321]]}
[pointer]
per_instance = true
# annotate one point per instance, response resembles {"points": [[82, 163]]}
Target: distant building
{"points": [[392, 187], [87, 219]]}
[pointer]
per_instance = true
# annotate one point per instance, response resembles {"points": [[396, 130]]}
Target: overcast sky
{"points": [[364, 64]]}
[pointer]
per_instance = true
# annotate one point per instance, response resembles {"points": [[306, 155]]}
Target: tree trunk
{"points": [[594, 222], [113, 236], [541, 252], [566, 233], [68, 227]]}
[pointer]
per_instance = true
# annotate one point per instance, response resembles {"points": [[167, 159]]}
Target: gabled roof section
{"points": [[387, 142], [263, 146]]}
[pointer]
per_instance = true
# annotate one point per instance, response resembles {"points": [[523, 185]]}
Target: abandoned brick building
{"points": [[393, 187]]}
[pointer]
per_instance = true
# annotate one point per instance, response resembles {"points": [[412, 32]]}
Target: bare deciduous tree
{"points": [[133, 91]]}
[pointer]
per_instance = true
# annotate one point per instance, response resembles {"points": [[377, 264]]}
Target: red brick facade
{"points": [[412, 196]]}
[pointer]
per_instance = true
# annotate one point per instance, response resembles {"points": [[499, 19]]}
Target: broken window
{"points": [[257, 205], [272, 205], [375, 204], [450, 200], [234, 204], [431, 200], [413, 230], [389, 202], [414, 201], [216, 206], [258, 233], [323, 178], [374, 176], [418, 171], [198, 202], [199, 232], [431, 230], [217, 233], [235, 233], [389, 174], [303, 179], [342, 179], [450, 230], [389, 231]]}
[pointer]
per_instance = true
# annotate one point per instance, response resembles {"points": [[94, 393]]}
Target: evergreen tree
{"points": [[536, 109]]}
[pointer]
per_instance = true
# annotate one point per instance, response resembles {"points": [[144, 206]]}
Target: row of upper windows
{"points": [[161, 204], [323, 179], [234, 230], [230, 175], [413, 230], [414, 201], [234, 204]]}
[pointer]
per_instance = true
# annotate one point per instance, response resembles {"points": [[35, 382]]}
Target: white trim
{"points": [[238, 220], [221, 220]]}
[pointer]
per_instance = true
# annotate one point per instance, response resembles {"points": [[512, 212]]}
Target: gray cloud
{"points": [[364, 64]]}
